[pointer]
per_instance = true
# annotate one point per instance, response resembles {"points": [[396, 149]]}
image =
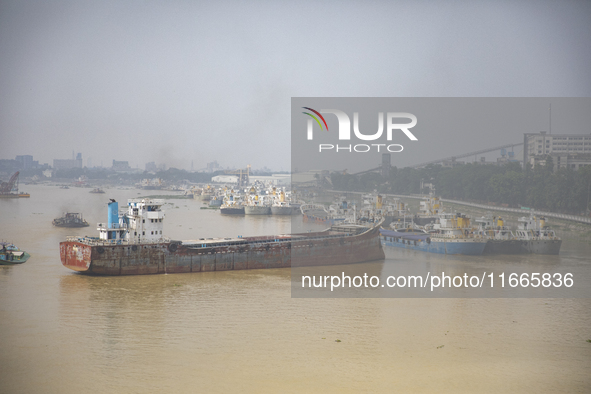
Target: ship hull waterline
{"points": [[313, 249]]}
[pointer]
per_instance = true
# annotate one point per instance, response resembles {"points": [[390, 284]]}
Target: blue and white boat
{"points": [[11, 254], [451, 235]]}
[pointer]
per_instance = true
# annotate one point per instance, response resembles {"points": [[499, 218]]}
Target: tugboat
{"points": [[98, 190], [70, 219], [11, 255]]}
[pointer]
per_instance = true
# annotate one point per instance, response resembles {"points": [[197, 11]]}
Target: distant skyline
{"points": [[184, 82]]}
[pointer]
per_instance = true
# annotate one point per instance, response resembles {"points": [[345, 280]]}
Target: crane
{"points": [[6, 187]]}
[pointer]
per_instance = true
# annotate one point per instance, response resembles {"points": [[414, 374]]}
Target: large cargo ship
{"points": [[132, 244]]}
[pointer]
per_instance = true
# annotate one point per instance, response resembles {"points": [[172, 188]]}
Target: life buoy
{"points": [[172, 247], [100, 249], [134, 248]]}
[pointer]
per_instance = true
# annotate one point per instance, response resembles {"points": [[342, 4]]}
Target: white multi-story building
{"points": [[567, 150]]}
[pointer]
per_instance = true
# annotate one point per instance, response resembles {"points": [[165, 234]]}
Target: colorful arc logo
{"points": [[315, 118]]}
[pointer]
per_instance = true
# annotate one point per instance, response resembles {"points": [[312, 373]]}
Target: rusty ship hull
{"points": [[329, 247]]}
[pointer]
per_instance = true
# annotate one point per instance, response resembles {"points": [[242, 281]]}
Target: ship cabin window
{"points": [[160, 231], [143, 233], [135, 233], [152, 232], [143, 220]]}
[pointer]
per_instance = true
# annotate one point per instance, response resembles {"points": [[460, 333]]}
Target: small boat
{"points": [[97, 190], [70, 219], [10, 254]]}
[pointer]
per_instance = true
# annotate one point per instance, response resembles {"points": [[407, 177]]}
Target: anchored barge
{"points": [[132, 244]]}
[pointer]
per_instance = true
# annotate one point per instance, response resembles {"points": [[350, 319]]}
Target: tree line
{"points": [[540, 187]]}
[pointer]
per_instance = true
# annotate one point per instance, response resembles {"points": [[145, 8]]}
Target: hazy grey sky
{"points": [[176, 81]]}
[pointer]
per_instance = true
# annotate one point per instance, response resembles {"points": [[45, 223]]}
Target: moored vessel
{"points": [[429, 211], [452, 235], [257, 205], [232, 205], [537, 237], [500, 239], [282, 205]]}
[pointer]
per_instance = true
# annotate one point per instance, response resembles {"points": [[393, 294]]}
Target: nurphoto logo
{"points": [[344, 132]]}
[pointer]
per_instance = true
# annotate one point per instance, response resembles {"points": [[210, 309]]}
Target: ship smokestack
{"points": [[113, 219]]}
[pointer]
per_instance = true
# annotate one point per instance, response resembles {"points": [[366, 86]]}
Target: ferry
{"points": [[132, 244]]}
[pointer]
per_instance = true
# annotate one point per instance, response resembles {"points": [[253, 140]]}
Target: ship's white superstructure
{"points": [[143, 222]]}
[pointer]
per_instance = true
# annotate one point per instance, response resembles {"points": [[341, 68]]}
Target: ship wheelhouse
{"points": [[143, 222]]}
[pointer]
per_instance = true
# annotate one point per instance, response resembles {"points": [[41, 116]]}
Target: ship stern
{"points": [[75, 256]]}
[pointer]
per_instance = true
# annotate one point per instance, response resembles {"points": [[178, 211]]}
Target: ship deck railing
{"points": [[96, 241]]}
